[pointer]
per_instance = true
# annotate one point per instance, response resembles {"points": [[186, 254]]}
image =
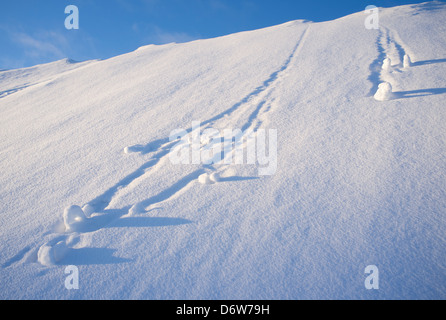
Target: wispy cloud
{"points": [[44, 45], [160, 36], [27, 48], [30, 48], [156, 35]]}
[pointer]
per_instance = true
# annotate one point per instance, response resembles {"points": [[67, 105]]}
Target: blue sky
{"points": [[33, 32]]}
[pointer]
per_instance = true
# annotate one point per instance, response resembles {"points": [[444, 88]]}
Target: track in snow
{"points": [[251, 111]]}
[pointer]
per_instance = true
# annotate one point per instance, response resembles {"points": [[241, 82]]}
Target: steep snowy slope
{"points": [[358, 182]]}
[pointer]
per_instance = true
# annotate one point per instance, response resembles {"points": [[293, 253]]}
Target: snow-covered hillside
{"points": [[358, 182]]}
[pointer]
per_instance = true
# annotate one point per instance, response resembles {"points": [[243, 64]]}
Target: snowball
{"points": [[207, 178], [45, 255], [384, 92], [73, 218], [387, 63], [88, 210], [49, 255], [407, 62]]}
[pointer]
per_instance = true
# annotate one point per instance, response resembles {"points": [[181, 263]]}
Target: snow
{"points": [[87, 179], [49, 255], [74, 218], [384, 92], [407, 63], [88, 210], [207, 178], [387, 64]]}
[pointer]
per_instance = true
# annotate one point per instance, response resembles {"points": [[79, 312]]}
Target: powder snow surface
{"points": [[86, 178]]}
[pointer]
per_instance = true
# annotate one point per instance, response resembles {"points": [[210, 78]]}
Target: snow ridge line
{"points": [[99, 216], [11, 91]]}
